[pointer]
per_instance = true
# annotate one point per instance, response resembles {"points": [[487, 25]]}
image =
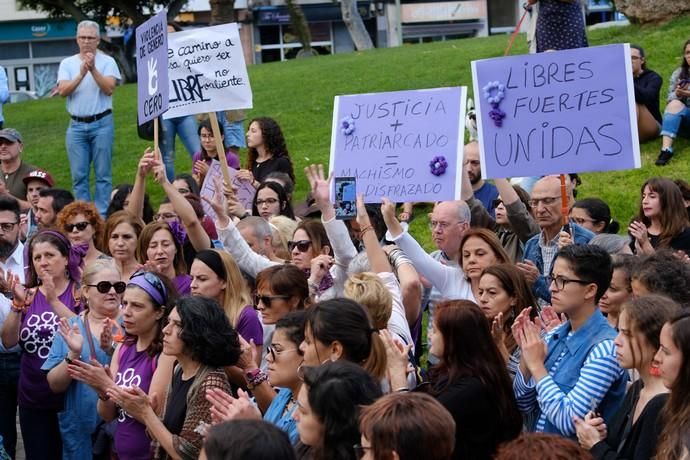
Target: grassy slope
{"points": [[299, 94]]}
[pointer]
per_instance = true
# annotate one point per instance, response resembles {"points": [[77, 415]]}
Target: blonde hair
{"points": [[236, 295], [90, 271], [368, 290], [282, 230]]}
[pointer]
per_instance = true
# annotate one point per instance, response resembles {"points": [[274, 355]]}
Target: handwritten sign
{"points": [[404, 145], [207, 71], [565, 112], [152, 67], [244, 191]]}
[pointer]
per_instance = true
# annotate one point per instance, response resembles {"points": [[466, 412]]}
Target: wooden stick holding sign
{"points": [[220, 148], [565, 209], [156, 151]]}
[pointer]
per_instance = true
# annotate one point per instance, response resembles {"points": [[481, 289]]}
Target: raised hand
{"points": [[528, 269], [532, 346], [72, 337], [224, 407], [320, 265], [550, 319], [248, 357], [362, 216], [146, 163], [320, 186]]}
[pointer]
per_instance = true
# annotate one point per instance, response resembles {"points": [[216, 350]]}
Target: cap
{"points": [[39, 174], [11, 134]]}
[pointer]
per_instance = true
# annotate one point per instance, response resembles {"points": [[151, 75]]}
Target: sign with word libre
{"points": [[404, 145], [244, 190], [207, 71], [152, 67], [556, 112]]}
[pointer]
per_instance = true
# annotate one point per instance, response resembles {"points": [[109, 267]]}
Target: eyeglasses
{"points": [[443, 226], [81, 226], [546, 201], [267, 299], [266, 201], [87, 39], [184, 191], [165, 215], [154, 281], [7, 226], [104, 286], [361, 450], [562, 281], [496, 203], [301, 245], [275, 352]]}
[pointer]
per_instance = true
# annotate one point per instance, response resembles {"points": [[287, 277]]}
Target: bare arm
{"points": [[67, 87], [378, 260], [136, 198], [506, 191], [195, 231], [410, 290], [106, 84]]}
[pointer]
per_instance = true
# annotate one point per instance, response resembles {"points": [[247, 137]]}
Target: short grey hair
{"points": [[609, 242], [259, 226], [464, 214], [89, 24]]}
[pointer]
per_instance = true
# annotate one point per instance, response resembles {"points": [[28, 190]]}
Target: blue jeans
{"points": [[674, 124], [186, 127], [233, 131], [87, 143]]}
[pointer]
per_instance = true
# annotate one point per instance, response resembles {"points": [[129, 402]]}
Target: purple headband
{"points": [[140, 280], [75, 254]]}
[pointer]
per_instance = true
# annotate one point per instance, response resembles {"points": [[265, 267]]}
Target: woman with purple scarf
{"points": [[50, 293], [137, 361]]}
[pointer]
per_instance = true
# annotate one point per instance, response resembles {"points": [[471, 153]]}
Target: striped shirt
{"points": [[599, 371]]}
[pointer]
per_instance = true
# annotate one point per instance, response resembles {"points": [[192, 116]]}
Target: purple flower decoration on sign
{"points": [[494, 92], [347, 126], [438, 165]]}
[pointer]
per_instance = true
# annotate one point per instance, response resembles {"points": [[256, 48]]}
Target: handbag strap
{"points": [[92, 355]]}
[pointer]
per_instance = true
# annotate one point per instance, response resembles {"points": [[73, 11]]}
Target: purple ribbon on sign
{"points": [[438, 165], [494, 92]]}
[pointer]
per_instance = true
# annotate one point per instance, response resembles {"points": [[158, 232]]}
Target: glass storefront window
{"points": [[54, 48], [14, 51]]}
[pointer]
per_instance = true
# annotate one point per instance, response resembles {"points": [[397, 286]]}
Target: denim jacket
{"points": [[533, 252], [577, 347]]}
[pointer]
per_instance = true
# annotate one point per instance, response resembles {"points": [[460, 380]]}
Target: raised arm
{"points": [[195, 231], [378, 259], [66, 86], [136, 198]]}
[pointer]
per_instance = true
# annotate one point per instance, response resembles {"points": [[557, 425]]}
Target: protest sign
{"points": [[207, 71], [244, 191], [152, 67], [558, 112], [404, 145]]}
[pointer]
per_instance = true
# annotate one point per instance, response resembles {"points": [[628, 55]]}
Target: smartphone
{"points": [[345, 198]]}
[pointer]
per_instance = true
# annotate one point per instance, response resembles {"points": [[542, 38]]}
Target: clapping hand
{"points": [[72, 337], [591, 430], [224, 407]]}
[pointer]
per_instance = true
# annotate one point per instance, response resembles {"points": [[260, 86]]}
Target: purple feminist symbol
{"points": [[494, 92], [347, 126], [438, 165]]}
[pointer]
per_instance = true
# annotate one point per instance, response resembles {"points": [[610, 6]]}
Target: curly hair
{"points": [[115, 219], [273, 140], [293, 326], [543, 446], [663, 273], [337, 391], [206, 332], [88, 210]]}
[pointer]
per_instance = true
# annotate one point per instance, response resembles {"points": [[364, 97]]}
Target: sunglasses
{"points": [[104, 286], [81, 226], [301, 245], [496, 203], [267, 299]]}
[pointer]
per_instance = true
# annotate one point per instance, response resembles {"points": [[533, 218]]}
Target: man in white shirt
{"points": [[88, 80], [11, 259]]}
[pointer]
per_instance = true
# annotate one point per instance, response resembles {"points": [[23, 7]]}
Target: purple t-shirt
{"points": [[134, 368], [36, 337], [249, 326], [233, 160], [183, 284]]}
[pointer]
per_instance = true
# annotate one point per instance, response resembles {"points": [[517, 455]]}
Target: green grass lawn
{"points": [[299, 94]]}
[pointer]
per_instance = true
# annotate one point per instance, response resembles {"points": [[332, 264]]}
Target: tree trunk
{"points": [[644, 11], [222, 11], [299, 24], [124, 58], [355, 25]]}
